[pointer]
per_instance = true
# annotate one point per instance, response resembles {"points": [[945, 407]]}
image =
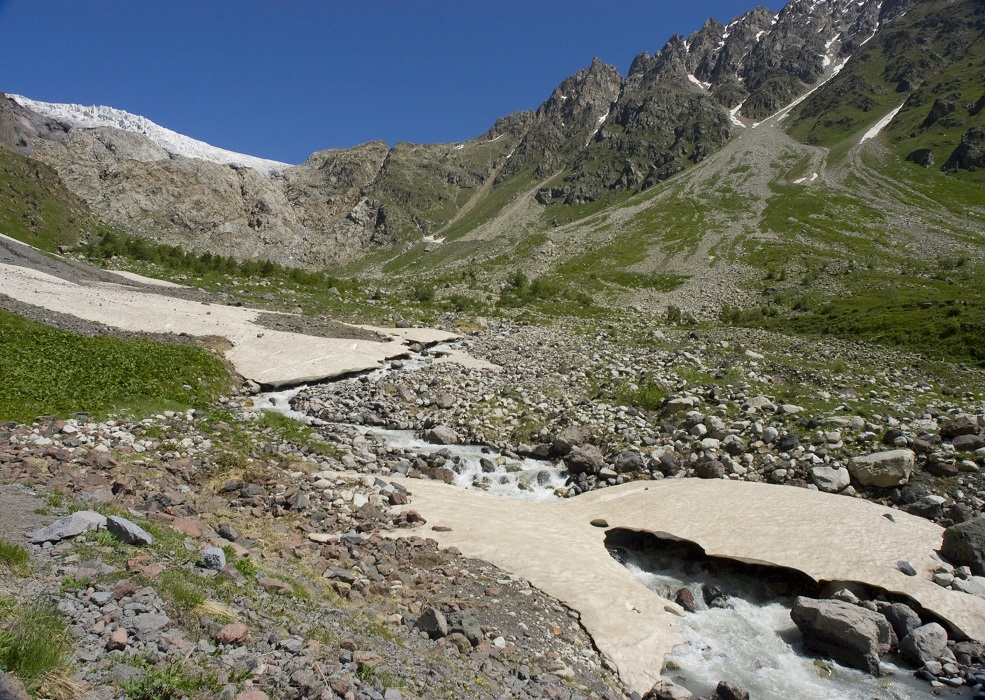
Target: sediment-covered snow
{"points": [[91, 117]]}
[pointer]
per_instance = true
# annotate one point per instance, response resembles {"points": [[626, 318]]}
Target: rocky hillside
{"points": [[597, 134]]}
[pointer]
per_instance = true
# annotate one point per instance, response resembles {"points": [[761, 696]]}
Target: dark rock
{"points": [[585, 459], [921, 156], [568, 439], [963, 425], [728, 691], [628, 461], [710, 469], [668, 465], [970, 153], [968, 443], [853, 635], [433, 622], [788, 442], [599, 522], [465, 623], [906, 568], [902, 618], [685, 598], [964, 545]]}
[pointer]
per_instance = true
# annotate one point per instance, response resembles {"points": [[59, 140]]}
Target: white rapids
{"points": [[755, 645]]}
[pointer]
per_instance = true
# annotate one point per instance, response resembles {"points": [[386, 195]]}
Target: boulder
{"points": [[628, 461], [710, 469], [847, 633], [442, 435], [883, 469], [433, 622], [968, 443], [585, 459], [962, 425], [667, 690], [71, 526], [235, 633], [128, 532], [829, 479], [729, 691], [964, 545], [568, 439], [214, 558], [902, 618], [924, 644]]}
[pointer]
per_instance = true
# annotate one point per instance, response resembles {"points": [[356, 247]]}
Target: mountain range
{"points": [[803, 146]]}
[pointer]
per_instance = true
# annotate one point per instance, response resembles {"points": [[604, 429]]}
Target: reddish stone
{"points": [[145, 566], [189, 526], [117, 640], [236, 633], [124, 589]]}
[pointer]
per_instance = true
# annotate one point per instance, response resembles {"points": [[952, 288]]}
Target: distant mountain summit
{"points": [[827, 65]]}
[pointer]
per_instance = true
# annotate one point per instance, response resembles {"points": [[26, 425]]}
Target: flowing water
{"points": [[753, 643]]}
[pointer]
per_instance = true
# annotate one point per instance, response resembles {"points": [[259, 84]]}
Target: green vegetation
{"points": [[48, 371], [35, 207], [519, 291], [15, 556], [170, 682], [646, 394], [34, 647]]}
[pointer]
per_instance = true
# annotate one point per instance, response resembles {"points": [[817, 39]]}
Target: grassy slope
{"points": [[47, 371], [35, 207]]}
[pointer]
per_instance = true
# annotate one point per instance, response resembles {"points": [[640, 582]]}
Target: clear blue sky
{"points": [[283, 78]]}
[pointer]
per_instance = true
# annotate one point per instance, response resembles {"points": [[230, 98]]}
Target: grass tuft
{"points": [[34, 647], [15, 556]]}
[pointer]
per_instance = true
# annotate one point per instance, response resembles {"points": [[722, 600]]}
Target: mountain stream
{"points": [[752, 642]]}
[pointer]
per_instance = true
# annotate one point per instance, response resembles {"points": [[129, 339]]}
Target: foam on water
{"points": [[525, 479], [755, 645]]}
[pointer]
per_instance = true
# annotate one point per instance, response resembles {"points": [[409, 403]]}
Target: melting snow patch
{"points": [[880, 125], [459, 147], [703, 86]]}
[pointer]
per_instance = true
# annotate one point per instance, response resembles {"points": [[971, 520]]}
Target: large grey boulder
{"points": [[847, 633], [128, 532], [829, 479], [924, 644], [71, 526], [964, 545], [585, 459], [442, 435], [902, 618], [883, 469]]}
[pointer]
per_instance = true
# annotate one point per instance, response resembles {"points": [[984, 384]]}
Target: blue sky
{"points": [[282, 79]]}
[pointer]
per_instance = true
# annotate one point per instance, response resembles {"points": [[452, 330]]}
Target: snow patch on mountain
{"points": [[92, 117]]}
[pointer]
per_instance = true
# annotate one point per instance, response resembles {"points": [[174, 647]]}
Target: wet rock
{"points": [[964, 545], [665, 689], [685, 598], [883, 469], [728, 691], [853, 635], [442, 435]]}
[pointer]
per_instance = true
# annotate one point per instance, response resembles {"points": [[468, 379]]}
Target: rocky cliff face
{"points": [[598, 133]]}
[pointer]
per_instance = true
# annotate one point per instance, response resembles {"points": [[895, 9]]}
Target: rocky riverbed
{"points": [[308, 600]]}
